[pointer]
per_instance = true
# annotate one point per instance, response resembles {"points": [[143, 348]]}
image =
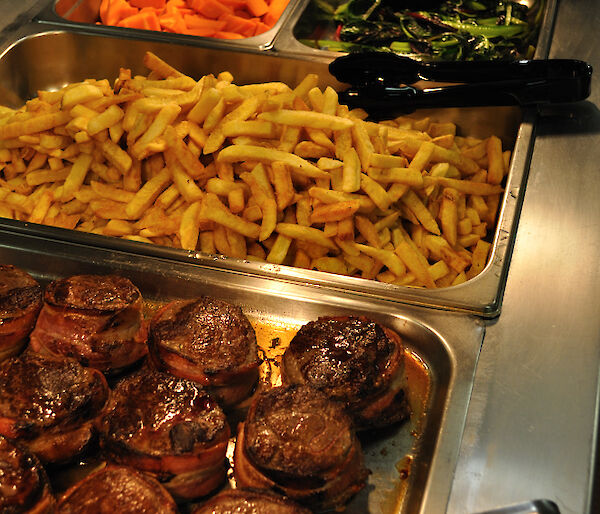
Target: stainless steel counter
{"points": [[531, 429], [532, 422]]}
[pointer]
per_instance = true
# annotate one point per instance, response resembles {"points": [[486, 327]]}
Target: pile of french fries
{"points": [[260, 171]]}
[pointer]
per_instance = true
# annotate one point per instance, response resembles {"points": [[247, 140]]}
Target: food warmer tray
{"points": [[444, 345], [38, 56]]}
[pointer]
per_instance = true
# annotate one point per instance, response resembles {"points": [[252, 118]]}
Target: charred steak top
{"points": [[92, 292], [42, 393], [347, 357], [23, 481], [19, 293], [156, 414], [117, 489], [209, 332], [247, 501], [297, 431]]}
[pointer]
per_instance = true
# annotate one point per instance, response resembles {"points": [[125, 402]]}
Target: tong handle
{"points": [[360, 69]]}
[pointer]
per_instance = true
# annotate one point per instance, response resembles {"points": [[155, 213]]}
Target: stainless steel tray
{"points": [[83, 14], [446, 344], [286, 40], [36, 57]]}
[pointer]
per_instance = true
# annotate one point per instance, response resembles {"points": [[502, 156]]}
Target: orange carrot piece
{"points": [[205, 32], [103, 11], [258, 7], [157, 4], [222, 34], [173, 22], [235, 4], [142, 20], [242, 26], [276, 9], [117, 10], [261, 28], [195, 22], [211, 8]]}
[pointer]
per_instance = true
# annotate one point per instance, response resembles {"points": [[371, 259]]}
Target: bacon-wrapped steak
{"points": [[298, 442], [20, 303], [49, 404], [249, 501], [169, 427], [24, 486], [355, 361], [117, 489], [94, 318], [210, 342]]}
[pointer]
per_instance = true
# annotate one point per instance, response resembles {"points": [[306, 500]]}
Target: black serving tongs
{"points": [[381, 83]]}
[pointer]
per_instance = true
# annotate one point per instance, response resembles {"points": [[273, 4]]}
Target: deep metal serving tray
{"points": [[83, 14], [37, 56], [446, 343]]}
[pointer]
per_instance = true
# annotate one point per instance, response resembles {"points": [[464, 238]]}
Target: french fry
{"points": [[307, 234], [214, 210], [334, 211], [190, 226], [237, 153]]}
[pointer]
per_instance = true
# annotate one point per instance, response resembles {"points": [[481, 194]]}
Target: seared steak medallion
{"points": [[20, 303], [169, 427], [23, 482], [116, 489], [355, 361], [248, 501], [298, 442], [209, 341], [49, 404], [95, 319]]}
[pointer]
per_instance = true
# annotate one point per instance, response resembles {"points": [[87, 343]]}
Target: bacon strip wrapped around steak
{"points": [[20, 303], [49, 404], [24, 486], [116, 489], [355, 361], [249, 501], [298, 442], [168, 427], [210, 342], [94, 318]]}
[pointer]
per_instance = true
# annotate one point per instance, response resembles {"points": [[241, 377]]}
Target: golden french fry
{"points": [[146, 195], [214, 210], [307, 234], [76, 176], [310, 119], [104, 120], [416, 206], [33, 125], [351, 175], [189, 228], [495, 160], [334, 211], [237, 153]]}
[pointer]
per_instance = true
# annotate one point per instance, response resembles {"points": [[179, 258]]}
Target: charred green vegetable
{"points": [[425, 29]]}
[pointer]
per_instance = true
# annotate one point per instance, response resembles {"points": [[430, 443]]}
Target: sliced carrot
{"points": [[206, 32], [222, 34], [261, 28], [173, 22], [157, 4], [242, 26], [196, 22], [117, 10], [235, 4], [103, 11], [258, 7], [276, 8], [211, 8], [142, 20]]}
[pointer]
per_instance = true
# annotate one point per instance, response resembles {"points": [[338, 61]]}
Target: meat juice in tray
{"points": [[274, 330]]}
